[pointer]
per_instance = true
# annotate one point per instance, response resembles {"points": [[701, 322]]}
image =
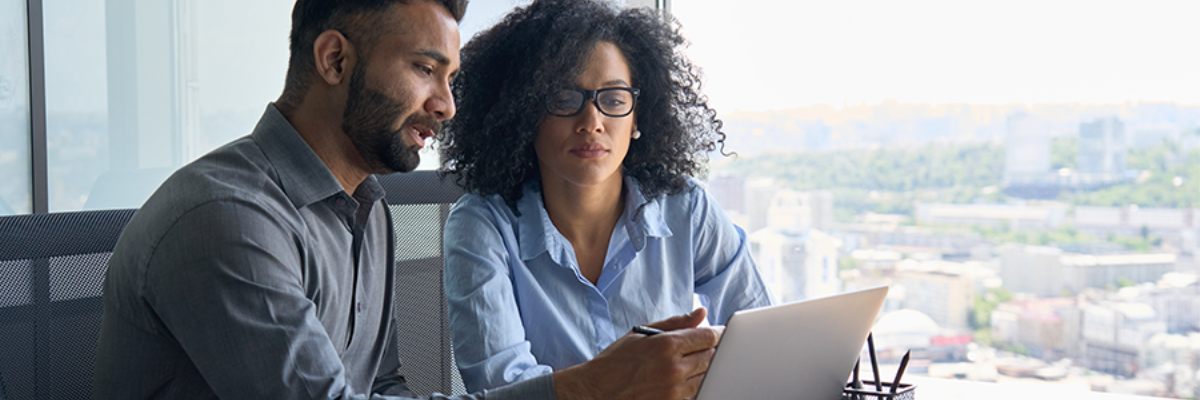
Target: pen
{"points": [[857, 384], [645, 330], [874, 365], [900, 372]]}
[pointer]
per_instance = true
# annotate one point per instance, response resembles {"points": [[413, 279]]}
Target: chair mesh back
{"points": [[51, 270], [424, 334], [420, 202]]}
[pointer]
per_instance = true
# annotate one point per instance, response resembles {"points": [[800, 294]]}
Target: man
{"points": [[263, 269]]}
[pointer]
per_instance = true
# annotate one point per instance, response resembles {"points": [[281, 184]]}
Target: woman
{"points": [[579, 127]]}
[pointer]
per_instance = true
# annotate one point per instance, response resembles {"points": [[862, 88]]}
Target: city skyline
{"points": [[891, 124]]}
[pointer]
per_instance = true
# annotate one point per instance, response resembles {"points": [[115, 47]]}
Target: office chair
{"points": [[51, 270], [419, 202]]}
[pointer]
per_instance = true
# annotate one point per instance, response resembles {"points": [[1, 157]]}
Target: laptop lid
{"points": [[802, 350]]}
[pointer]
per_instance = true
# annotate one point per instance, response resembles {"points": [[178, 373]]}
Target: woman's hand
{"points": [[670, 365]]}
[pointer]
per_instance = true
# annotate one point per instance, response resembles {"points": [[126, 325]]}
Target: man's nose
{"points": [[441, 104]]}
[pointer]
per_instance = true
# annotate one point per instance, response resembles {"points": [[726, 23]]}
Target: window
{"points": [[134, 90], [970, 153], [16, 190]]}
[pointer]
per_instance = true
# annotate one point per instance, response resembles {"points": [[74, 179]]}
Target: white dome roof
{"points": [[905, 321]]}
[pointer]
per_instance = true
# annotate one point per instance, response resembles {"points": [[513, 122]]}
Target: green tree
{"points": [[847, 263], [981, 311]]}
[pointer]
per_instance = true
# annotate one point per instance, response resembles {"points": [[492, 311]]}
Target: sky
{"points": [[762, 55]]}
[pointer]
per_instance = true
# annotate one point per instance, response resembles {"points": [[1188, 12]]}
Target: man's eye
{"points": [[424, 68]]}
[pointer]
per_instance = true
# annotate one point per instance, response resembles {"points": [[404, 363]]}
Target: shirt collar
{"points": [[643, 217], [538, 235], [302, 175]]}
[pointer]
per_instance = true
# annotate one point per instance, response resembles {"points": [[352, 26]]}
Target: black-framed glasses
{"points": [[613, 102]]}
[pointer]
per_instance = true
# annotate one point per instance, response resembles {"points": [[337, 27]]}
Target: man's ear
{"points": [[335, 57]]}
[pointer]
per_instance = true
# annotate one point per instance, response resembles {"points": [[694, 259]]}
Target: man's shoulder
{"points": [[235, 176], [238, 170], [231, 193]]}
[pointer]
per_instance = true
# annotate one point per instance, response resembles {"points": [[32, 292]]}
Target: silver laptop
{"points": [[796, 351]]}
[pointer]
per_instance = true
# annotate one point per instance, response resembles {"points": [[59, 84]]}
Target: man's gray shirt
{"points": [[251, 273]]}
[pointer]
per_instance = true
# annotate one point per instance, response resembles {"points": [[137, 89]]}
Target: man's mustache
{"points": [[425, 120]]}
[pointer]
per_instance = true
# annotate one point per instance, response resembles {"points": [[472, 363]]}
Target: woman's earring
{"points": [[637, 134]]}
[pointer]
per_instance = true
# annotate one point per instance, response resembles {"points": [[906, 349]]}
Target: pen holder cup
{"points": [[904, 391]]}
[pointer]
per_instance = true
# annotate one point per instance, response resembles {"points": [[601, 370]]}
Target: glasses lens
{"points": [[615, 102], [564, 102]]}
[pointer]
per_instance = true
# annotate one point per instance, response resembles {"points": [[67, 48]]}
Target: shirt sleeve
{"points": [[490, 345], [389, 380], [726, 278], [226, 282]]}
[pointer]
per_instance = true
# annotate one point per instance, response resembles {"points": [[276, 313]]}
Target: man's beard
{"points": [[367, 122]]}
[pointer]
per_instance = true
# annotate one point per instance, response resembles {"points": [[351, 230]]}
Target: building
{"points": [[1176, 299], [944, 291], [1175, 358], [901, 330], [1113, 333], [1131, 218], [814, 209], [1027, 149], [1153, 134], [758, 193], [797, 264], [1102, 147], [801, 210], [1051, 272], [790, 210], [797, 259], [1110, 270], [1177, 226], [1031, 269], [821, 203], [729, 191], [1047, 328], [1040, 215]]}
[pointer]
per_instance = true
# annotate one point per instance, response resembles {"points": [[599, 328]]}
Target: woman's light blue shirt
{"points": [[520, 308]]}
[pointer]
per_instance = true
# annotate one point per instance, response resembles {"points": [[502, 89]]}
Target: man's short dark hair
{"points": [[357, 20]]}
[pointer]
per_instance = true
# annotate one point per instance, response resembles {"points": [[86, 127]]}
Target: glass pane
{"points": [[76, 100], [1023, 175], [136, 89], [16, 182]]}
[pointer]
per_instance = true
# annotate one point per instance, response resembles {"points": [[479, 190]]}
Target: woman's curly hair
{"points": [[509, 70]]}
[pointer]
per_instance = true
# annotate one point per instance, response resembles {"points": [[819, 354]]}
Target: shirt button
{"points": [[358, 306], [341, 202]]}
